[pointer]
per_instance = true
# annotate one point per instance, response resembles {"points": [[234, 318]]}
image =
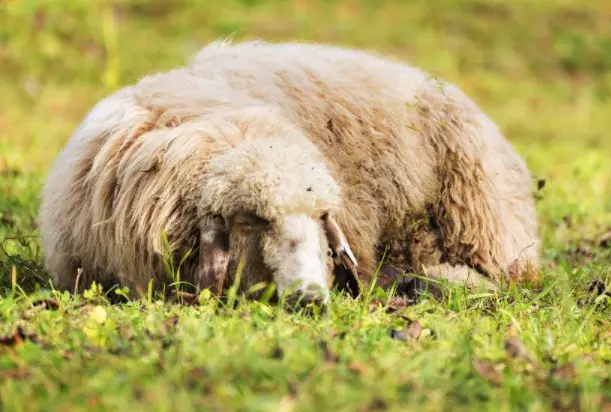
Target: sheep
{"points": [[308, 163]]}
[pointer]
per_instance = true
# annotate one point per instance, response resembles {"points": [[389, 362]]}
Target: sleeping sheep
{"points": [[305, 163]]}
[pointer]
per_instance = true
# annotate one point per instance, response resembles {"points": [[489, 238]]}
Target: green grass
{"points": [[539, 69]]}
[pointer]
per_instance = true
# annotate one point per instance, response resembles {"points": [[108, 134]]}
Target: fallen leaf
{"points": [[198, 373], [516, 349], [48, 303], [583, 249], [171, 323], [40, 305], [338, 334], [6, 218], [414, 330], [605, 239], [328, 353], [17, 338], [373, 305], [565, 372], [357, 367], [487, 371], [186, 298], [398, 303], [531, 273], [196, 378]]}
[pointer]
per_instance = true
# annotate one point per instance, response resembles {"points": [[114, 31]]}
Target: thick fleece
{"points": [[408, 163]]}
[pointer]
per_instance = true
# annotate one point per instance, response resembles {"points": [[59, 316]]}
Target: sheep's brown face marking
{"points": [[301, 254], [213, 256], [345, 269]]}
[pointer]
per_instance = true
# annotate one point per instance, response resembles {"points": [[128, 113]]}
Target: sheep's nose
{"points": [[313, 298]]}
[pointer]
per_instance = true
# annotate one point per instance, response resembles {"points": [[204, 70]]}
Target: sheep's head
{"points": [[271, 203]]}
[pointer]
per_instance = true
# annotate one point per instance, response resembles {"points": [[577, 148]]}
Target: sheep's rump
{"points": [[419, 166]]}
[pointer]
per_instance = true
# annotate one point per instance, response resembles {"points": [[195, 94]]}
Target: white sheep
{"points": [[276, 154]]}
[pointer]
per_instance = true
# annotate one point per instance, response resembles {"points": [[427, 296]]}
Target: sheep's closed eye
{"points": [[247, 222]]}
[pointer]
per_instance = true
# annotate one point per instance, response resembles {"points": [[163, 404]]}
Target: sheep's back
{"points": [[358, 108]]}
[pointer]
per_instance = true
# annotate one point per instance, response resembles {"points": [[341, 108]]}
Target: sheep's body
{"points": [[421, 170]]}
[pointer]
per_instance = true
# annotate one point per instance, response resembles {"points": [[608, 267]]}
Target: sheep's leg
{"points": [[459, 274], [431, 279], [213, 257], [426, 258]]}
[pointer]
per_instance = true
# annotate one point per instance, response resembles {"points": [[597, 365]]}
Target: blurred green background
{"points": [[540, 68]]}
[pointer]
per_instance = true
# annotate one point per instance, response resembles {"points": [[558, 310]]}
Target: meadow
{"points": [[541, 69]]}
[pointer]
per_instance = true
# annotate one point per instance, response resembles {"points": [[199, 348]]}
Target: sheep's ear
{"points": [[345, 269], [213, 256]]}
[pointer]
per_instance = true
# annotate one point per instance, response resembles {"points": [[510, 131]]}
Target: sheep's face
{"points": [[273, 200], [303, 255]]}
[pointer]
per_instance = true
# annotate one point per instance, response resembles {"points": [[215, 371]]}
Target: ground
{"points": [[539, 69]]}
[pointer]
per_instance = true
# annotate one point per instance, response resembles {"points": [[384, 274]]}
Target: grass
{"points": [[539, 69]]}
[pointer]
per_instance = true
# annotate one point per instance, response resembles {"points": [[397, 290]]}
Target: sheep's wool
{"points": [[408, 164]]}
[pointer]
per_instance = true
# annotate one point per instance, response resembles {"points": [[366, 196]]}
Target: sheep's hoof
{"points": [[411, 287]]}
